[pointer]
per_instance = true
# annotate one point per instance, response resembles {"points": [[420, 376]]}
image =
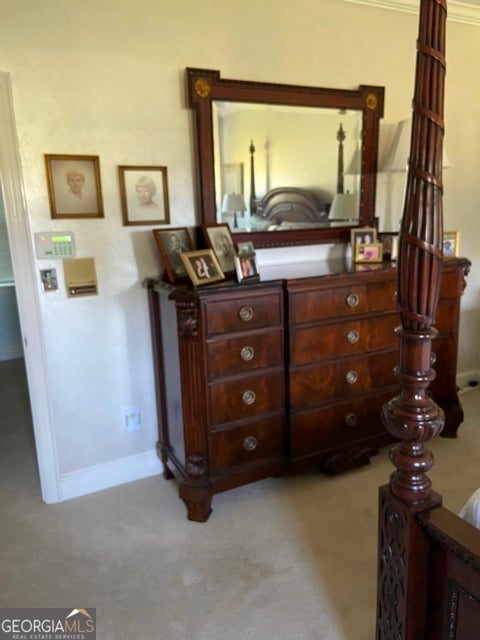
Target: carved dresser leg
{"points": [[195, 490]]}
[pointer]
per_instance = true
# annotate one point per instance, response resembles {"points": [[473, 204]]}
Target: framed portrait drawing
{"points": [[219, 238], [451, 240], [144, 195], [172, 243], [370, 252], [74, 186], [202, 266]]}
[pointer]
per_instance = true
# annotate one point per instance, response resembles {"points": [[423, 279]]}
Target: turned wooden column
{"points": [[253, 195], [412, 417], [340, 169]]}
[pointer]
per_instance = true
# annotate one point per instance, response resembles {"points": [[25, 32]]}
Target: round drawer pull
{"points": [[247, 353], [352, 299], [250, 443], [353, 336], [351, 377], [246, 314], [350, 419], [249, 396], [433, 358]]}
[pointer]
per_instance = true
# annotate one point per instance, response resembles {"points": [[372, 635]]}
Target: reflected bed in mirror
{"points": [[290, 172], [303, 159]]}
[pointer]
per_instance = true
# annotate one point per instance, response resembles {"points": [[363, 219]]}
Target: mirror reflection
{"points": [[286, 167], [299, 159]]}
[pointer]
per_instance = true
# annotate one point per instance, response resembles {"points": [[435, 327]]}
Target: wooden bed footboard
{"points": [[428, 572]]}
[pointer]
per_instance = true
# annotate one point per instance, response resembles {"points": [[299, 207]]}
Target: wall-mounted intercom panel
{"points": [[54, 245], [80, 277]]}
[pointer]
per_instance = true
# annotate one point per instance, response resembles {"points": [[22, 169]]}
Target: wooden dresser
{"points": [[285, 375]]}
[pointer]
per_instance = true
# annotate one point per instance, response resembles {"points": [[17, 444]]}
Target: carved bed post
{"points": [[253, 195], [412, 417], [340, 138]]}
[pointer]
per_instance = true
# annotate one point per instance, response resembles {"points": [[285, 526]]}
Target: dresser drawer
{"points": [[317, 384], [309, 344], [242, 313], [247, 443], [247, 396], [246, 353], [335, 425], [320, 304]]}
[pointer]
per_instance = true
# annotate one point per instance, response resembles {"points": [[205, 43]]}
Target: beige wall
{"points": [[106, 77]]}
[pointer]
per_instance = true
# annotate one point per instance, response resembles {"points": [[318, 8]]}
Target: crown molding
{"points": [[457, 11]]}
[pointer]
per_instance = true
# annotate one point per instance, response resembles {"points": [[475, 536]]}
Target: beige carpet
{"points": [[283, 559]]}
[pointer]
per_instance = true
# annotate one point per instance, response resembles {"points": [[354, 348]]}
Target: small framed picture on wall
{"points": [[144, 195], [74, 186]]}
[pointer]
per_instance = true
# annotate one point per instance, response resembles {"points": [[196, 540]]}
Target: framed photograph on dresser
{"points": [[363, 235], [372, 252], [451, 241], [219, 238], [172, 243], [246, 267], [202, 266]]}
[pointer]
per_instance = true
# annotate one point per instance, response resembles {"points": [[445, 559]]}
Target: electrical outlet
{"points": [[132, 418]]}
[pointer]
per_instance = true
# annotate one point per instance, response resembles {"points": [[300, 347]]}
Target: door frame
{"points": [[26, 287]]}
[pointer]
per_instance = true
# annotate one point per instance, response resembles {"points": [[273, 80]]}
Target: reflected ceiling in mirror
{"points": [[304, 159], [263, 147]]}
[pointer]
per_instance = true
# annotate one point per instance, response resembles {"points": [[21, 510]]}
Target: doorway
{"points": [[19, 237]]}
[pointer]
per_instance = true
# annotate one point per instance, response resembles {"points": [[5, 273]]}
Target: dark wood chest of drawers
{"points": [[285, 375]]}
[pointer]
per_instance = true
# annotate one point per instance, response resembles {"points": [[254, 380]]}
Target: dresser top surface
{"points": [[299, 271]]}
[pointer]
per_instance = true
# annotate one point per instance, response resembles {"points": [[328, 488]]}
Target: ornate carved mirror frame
{"points": [[206, 86]]}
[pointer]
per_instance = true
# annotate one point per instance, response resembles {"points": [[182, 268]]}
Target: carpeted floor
{"points": [[282, 559]]}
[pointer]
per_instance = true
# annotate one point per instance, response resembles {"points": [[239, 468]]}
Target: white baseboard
{"points": [[144, 465], [465, 377], [110, 474]]}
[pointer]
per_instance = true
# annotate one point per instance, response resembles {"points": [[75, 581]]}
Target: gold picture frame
{"points": [[370, 252], [144, 195], [74, 186], [202, 266], [363, 235], [450, 244]]}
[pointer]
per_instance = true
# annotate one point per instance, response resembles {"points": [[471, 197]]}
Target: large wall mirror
{"points": [[285, 164]]}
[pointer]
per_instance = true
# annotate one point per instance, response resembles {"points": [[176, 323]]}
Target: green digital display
{"points": [[61, 238]]}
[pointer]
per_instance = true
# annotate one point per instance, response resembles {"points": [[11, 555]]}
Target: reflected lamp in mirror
{"points": [[344, 209], [232, 205], [396, 164], [397, 157]]}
